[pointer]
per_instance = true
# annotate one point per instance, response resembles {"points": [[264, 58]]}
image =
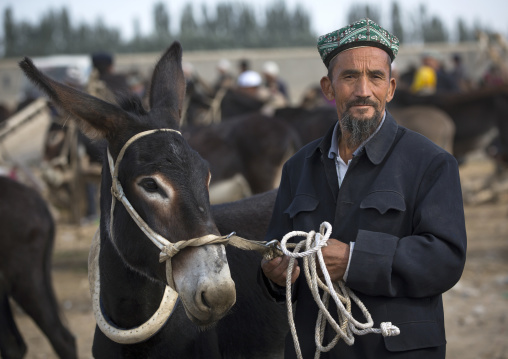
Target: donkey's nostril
{"points": [[204, 302]]}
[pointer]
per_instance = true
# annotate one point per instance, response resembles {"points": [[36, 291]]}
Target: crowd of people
{"points": [[432, 76], [263, 91]]}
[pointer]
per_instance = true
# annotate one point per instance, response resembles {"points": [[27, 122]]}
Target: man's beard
{"points": [[359, 129]]}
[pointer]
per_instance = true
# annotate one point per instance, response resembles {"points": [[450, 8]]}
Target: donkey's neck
{"points": [[128, 298]]}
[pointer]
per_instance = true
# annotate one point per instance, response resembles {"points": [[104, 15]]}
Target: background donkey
{"points": [[167, 183], [26, 244]]}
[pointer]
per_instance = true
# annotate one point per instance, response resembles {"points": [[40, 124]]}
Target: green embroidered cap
{"points": [[364, 32]]}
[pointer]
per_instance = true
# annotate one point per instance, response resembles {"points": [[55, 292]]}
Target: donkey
{"points": [[255, 146], [166, 184], [26, 246]]}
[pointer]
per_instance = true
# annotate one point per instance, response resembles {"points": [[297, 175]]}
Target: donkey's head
{"points": [[165, 181]]}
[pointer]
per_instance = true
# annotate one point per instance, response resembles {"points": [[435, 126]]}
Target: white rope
{"points": [[116, 334], [342, 295]]}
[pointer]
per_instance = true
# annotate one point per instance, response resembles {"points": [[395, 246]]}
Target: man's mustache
{"points": [[361, 102]]}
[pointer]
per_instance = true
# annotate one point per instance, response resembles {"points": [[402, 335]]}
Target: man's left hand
{"points": [[336, 256]]}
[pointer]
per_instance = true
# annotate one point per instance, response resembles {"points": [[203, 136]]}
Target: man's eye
{"points": [[149, 185]]}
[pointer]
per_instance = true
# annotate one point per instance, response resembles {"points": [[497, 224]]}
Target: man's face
{"points": [[361, 86]]}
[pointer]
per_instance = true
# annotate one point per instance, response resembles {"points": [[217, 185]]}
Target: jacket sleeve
{"points": [[430, 260], [280, 224]]}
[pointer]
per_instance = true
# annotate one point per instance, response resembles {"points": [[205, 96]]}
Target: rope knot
{"points": [[168, 252], [116, 189], [388, 329]]}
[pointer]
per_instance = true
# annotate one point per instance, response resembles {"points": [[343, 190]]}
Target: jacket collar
{"points": [[376, 148], [379, 145]]}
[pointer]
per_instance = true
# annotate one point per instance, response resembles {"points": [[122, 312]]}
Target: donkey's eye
{"points": [[149, 185]]}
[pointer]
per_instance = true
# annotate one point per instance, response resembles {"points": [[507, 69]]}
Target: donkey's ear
{"points": [[96, 117], [167, 92]]}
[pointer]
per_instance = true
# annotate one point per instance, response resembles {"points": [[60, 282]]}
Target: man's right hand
{"points": [[276, 270]]}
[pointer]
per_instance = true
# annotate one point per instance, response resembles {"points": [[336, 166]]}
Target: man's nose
{"points": [[362, 88]]}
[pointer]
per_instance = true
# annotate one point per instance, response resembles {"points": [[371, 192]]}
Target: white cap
{"points": [[224, 65], [249, 79], [271, 68]]}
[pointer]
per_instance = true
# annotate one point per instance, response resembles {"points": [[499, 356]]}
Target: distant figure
{"points": [[107, 85], [197, 96], [494, 76], [272, 80], [103, 82], [225, 79], [406, 77], [243, 65], [425, 77], [459, 73], [431, 77], [137, 85], [251, 84]]}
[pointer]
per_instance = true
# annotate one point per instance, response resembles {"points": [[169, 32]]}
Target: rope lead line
{"points": [[342, 295]]}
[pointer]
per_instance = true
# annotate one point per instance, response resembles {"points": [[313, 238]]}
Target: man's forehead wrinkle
{"points": [[361, 62]]}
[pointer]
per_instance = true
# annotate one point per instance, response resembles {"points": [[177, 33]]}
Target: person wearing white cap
{"points": [[251, 83], [272, 80], [225, 78]]}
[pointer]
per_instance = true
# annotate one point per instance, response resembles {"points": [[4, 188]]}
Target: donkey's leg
{"points": [[34, 293], [12, 345], [36, 298]]}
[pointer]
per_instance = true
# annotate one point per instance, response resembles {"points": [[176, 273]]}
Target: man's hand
{"points": [[336, 256], [276, 270]]}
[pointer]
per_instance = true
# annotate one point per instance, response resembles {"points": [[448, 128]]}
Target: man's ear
{"points": [[391, 90], [326, 87]]}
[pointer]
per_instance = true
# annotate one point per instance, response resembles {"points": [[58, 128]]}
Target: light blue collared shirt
{"points": [[342, 168]]}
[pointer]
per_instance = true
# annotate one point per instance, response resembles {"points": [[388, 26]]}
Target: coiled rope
{"points": [[342, 295]]}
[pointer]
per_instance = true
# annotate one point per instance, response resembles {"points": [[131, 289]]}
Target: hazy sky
{"points": [[326, 15]]}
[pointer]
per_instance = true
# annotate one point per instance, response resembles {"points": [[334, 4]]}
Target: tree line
{"points": [[230, 26]]}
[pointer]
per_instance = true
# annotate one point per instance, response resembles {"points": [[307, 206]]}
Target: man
{"points": [[393, 199], [250, 83], [431, 77], [104, 83]]}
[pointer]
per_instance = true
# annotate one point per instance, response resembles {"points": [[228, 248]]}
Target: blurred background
{"points": [[240, 59]]}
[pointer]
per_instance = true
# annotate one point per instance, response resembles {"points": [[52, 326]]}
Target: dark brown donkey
{"points": [[166, 183], [26, 244]]}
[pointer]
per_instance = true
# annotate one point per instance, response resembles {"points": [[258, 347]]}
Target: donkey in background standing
{"points": [[167, 184], [26, 245]]}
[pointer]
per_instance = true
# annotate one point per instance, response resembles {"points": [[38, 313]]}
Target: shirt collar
{"points": [[334, 147]]}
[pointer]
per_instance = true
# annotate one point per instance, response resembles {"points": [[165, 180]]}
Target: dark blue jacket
{"points": [[401, 203]]}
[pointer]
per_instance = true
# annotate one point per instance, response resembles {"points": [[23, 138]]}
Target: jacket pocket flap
{"points": [[383, 201], [301, 203], [415, 335]]}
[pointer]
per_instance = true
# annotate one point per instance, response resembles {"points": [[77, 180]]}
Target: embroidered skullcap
{"points": [[361, 33], [249, 79]]}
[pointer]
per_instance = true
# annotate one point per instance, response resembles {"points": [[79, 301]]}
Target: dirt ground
{"points": [[476, 309]]}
